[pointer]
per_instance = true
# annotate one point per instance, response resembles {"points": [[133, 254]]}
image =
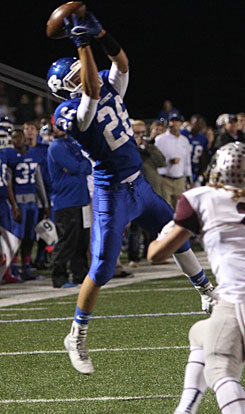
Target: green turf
{"points": [[154, 376]]}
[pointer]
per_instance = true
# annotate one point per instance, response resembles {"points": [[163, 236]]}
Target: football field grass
{"points": [[138, 341]]}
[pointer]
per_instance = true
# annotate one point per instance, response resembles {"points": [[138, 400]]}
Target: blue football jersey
{"points": [[23, 167], [198, 143], [109, 140], [3, 177], [40, 152]]}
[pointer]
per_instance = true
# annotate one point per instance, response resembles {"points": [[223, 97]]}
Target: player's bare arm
{"points": [[161, 250]]}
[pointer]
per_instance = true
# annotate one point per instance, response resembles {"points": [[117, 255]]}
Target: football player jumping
{"points": [[217, 213], [94, 113]]}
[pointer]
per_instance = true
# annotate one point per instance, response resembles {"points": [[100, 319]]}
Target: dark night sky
{"points": [[189, 51]]}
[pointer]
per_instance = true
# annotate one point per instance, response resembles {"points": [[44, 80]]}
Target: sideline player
{"points": [[217, 213], [26, 181], [94, 113]]}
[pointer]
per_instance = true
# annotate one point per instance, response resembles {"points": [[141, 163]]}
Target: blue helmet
{"points": [[5, 137], [63, 78], [6, 123]]}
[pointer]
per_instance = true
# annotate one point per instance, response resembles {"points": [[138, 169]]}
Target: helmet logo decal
{"points": [[54, 83]]}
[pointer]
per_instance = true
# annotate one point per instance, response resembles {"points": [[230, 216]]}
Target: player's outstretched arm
{"points": [[80, 34], [161, 249], [109, 44], [113, 50]]}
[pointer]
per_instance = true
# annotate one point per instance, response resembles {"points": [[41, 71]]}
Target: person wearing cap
{"points": [[166, 111], [177, 152], [231, 132]]}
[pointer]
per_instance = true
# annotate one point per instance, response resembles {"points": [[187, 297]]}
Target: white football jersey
{"points": [[220, 220]]}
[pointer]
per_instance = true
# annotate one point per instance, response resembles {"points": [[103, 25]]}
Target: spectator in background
{"points": [[152, 159], [167, 109], [231, 132], [207, 155], [151, 156], [68, 171], [6, 110], [156, 128], [39, 108], [241, 123], [25, 110], [177, 151], [199, 143]]}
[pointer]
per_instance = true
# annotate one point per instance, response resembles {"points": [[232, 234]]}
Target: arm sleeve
{"points": [[9, 174], [185, 216], [118, 80], [41, 192], [86, 112]]}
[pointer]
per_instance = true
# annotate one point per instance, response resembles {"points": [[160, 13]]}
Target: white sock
{"points": [[230, 396], [194, 383]]}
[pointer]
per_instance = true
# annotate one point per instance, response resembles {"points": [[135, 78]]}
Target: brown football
{"points": [[55, 25]]}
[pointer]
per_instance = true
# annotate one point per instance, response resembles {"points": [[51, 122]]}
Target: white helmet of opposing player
{"points": [[228, 167]]}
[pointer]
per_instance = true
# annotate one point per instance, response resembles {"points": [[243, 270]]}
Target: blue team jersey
{"points": [[23, 167], [3, 177], [68, 170], [198, 143], [109, 140], [40, 152]]}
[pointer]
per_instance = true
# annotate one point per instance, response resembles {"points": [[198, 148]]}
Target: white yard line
{"points": [[63, 400], [155, 348], [136, 315]]}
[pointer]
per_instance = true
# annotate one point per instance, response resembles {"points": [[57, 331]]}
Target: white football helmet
{"points": [[46, 230], [227, 167]]}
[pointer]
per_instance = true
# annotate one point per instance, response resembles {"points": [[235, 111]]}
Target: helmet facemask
{"points": [[64, 78], [71, 80]]}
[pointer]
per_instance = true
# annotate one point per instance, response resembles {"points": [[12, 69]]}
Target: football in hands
{"points": [[55, 26]]}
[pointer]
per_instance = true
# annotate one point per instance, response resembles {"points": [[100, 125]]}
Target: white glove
{"points": [[208, 296]]}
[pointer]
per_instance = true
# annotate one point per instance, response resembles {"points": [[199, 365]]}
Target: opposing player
{"points": [[217, 213], [94, 113]]}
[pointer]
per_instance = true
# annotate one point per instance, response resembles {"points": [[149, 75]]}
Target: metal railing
{"points": [[27, 82]]}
